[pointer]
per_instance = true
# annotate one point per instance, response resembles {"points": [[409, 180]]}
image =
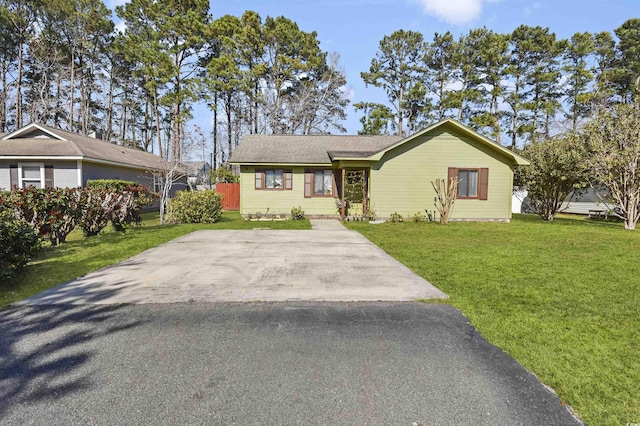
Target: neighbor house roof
{"points": [[38, 141], [323, 149], [195, 167], [306, 149]]}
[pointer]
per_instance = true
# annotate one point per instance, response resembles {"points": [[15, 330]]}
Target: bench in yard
{"points": [[598, 213]]}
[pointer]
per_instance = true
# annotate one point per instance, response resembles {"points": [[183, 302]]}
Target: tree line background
{"points": [[515, 88], [62, 63]]}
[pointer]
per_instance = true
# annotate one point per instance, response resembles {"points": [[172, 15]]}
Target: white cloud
{"points": [[454, 12]]}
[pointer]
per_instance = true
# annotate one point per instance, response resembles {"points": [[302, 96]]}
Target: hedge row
{"points": [[33, 215]]}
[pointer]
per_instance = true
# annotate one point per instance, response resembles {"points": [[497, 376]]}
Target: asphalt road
{"points": [[263, 363]]}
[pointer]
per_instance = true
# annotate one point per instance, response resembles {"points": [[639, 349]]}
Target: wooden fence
{"points": [[231, 192]]}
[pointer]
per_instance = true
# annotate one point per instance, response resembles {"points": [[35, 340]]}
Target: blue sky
{"points": [[354, 28]]}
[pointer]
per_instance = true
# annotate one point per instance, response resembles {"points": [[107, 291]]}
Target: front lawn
{"points": [[562, 298], [80, 255]]}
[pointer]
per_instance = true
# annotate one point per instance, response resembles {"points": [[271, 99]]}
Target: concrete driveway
{"points": [[328, 263]]}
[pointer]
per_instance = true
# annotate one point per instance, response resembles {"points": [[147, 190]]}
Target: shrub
{"points": [[18, 242], [65, 211], [97, 209], [371, 213], [52, 213], [114, 185], [131, 201], [297, 213], [130, 198], [418, 217], [396, 217], [195, 207]]}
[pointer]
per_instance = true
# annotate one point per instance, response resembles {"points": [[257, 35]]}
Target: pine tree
{"points": [[398, 68]]}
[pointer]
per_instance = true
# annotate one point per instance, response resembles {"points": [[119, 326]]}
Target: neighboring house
{"points": [[583, 202], [198, 172], [392, 174], [42, 156], [587, 200]]}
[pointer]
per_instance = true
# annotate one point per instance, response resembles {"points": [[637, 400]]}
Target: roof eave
{"points": [[28, 127], [464, 129], [287, 164]]}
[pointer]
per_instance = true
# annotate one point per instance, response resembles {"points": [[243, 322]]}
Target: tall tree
{"points": [[542, 79], [398, 68], [80, 29], [629, 61], [166, 38], [466, 91], [377, 118], [579, 76], [522, 43], [8, 56], [317, 105], [22, 16], [440, 60], [291, 56], [605, 70], [253, 50], [490, 63], [613, 140], [225, 77]]}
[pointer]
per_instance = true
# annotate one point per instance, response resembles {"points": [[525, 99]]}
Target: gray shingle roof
{"points": [[307, 149], [78, 145], [195, 167]]}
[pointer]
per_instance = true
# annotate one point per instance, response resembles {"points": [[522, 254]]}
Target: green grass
{"points": [[80, 255], [561, 297]]}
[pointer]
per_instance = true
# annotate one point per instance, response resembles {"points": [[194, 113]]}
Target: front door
{"points": [[355, 192]]}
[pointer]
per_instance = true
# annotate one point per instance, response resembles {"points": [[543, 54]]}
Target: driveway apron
{"points": [[328, 263]]}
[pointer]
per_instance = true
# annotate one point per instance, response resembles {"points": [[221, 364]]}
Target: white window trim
{"points": [[20, 179]]}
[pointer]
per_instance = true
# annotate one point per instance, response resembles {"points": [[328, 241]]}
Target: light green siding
{"points": [[281, 201], [401, 180]]}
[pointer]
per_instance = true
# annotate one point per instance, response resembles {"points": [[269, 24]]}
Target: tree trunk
{"points": [[229, 125], [215, 131], [19, 86], [157, 115], [72, 86], [109, 131], [3, 105], [400, 99], [146, 127]]}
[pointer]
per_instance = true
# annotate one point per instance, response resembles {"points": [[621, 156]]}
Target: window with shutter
{"points": [[472, 183], [13, 175], [48, 176], [319, 183], [31, 174], [273, 179]]}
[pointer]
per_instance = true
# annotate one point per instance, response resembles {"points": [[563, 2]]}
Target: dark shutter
{"points": [[308, 183], [259, 179], [483, 184], [337, 183], [48, 176], [13, 175], [288, 180], [453, 172]]}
